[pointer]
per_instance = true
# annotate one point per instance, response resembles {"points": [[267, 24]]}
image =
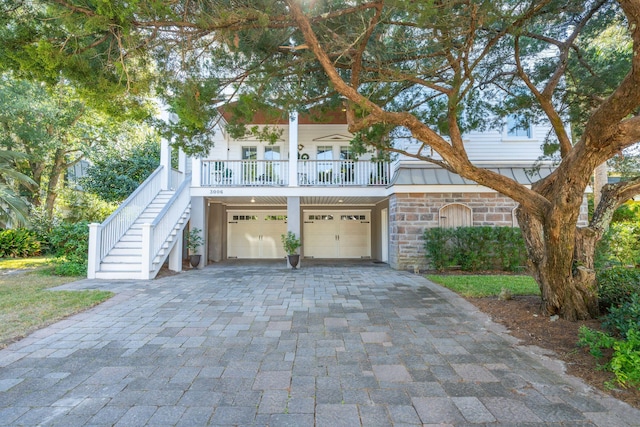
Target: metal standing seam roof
{"points": [[439, 176]]}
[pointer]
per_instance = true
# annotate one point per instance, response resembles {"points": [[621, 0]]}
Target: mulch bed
{"points": [[521, 315]]}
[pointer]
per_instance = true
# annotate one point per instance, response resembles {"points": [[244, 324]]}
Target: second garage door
{"points": [[337, 234]]}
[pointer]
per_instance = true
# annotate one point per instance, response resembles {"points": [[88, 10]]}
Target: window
{"points": [[518, 126], [272, 153], [325, 152], [347, 154], [249, 153]]}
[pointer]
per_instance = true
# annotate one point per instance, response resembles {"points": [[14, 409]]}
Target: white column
{"points": [[293, 149], [175, 256], [293, 222], [197, 221], [196, 171], [165, 162], [182, 161], [93, 261]]}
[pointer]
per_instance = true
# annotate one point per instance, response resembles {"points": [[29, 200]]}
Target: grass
{"points": [[24, 263], [472, 286], [26, 304]]}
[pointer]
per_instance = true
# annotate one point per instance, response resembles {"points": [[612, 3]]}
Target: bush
{"points": [[625, 361], [617, 285], [620, 246], [70, 243], [625, 317], [76, 206], [19, 243], [475, 248]]}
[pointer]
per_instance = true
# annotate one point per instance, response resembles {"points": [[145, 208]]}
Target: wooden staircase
{"points": [[124, 260]]}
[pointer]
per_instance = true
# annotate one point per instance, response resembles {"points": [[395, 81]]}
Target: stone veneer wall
{"points": [[411, 213]]}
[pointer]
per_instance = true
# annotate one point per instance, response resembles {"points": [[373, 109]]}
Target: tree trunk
{"points": [[57, 170], [561, 261]]}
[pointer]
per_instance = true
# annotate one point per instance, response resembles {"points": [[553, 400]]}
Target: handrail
{"points": [[155, 234], [185, 183], [131, 196], [117, 224]]}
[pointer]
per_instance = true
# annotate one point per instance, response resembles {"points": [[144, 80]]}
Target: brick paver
{"points": [[256, 344]]}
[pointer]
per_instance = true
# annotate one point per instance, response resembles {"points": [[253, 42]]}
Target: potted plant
{"points": [[291, 244], [194, 241]]}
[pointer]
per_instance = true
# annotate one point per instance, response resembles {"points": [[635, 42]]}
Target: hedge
{"points": [[475, 248]]}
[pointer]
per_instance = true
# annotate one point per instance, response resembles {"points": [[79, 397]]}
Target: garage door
{"points": [[255, 234], [337, 234]]}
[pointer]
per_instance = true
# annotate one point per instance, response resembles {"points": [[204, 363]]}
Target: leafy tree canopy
{"points": [[426, 69]]}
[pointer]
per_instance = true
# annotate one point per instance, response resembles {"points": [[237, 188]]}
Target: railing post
{"points": [[145, 266], [95, 242], [165, 162]]}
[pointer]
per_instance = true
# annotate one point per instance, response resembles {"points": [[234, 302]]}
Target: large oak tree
{"points": [[429, 69]]}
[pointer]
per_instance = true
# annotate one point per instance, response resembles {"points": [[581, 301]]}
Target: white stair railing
{"points": [[103, 237], [155, 235]]}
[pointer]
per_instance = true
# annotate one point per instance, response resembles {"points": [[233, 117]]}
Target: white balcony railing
{"points": [[247, 173]]}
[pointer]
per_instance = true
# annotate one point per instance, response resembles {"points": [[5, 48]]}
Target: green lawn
{"points": [[27, 305], [486, 285]]}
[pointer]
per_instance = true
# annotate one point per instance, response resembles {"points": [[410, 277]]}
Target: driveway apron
{"points": [[262, 345]]}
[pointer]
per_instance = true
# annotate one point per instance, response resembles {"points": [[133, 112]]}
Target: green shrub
{"points": [[71, 241], [77, 206], [66, 268], [18, 242], [625, 361], [620, 246], [617, 285], [625, 317], [475, 248]]}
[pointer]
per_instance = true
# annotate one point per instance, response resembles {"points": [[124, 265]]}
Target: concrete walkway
{"points": [[260, 345]]}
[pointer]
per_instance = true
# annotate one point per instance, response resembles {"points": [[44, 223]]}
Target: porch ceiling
{"points": [[304, 201]]}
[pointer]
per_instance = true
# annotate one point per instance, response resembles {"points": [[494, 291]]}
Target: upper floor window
{"points": [[518, 126], [272, 153], [249, 153], [325, 152], [346, 153]]}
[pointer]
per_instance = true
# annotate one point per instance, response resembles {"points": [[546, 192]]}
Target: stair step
{"points": [[120, 267], [124, 251], [122, 259]]}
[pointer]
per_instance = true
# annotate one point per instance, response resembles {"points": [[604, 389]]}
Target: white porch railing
{"points": [[246, 173], [343, 173], [243, 173], [155, 235]]}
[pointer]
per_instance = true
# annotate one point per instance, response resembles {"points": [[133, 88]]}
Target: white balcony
{"points": [[312, 173]]}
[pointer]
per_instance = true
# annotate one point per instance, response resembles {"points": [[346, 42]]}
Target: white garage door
{"points": [[337, 234], [255, 234]]}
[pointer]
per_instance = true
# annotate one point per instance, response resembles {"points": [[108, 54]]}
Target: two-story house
{"points": [[246, 193]]}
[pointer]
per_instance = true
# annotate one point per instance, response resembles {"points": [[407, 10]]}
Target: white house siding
{"points": [[495, 146]]}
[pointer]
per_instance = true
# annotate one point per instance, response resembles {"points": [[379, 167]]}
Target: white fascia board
{"points": [[289, 191]]}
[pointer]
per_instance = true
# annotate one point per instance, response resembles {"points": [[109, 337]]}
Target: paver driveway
{"points": [[262, 345]]}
